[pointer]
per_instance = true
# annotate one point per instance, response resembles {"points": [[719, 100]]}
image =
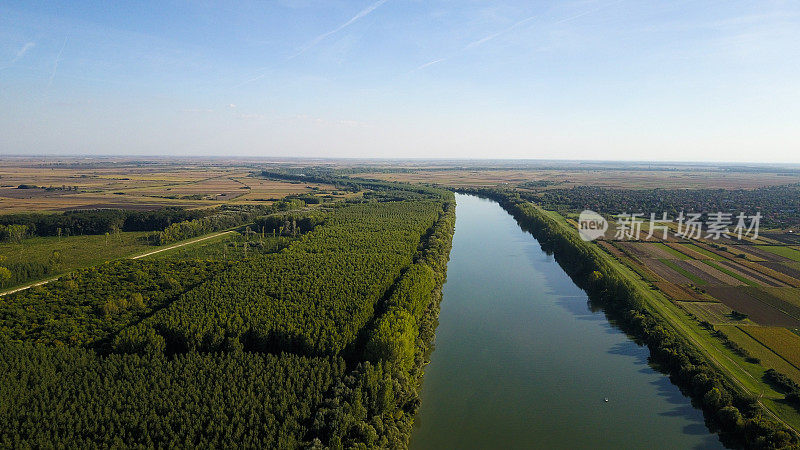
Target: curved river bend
{"points": [[521, 361]]}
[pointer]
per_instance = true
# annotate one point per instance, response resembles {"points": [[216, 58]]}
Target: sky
{"points": [[659, 80]]}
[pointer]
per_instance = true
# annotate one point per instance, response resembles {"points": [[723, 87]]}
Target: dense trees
{"points": [[73, 397], [100, 221], [313, 297], [86, 307], [778, 205], [302, 347]]}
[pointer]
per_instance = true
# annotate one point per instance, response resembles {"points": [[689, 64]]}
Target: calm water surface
{"points": [[522, 362]]}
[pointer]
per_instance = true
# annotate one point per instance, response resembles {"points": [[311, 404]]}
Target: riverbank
{"points": [[524, 360], [733, 409]]}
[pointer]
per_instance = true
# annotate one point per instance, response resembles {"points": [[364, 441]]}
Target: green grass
{"points": [[694, 278], [787, 294], [68, 253], [671, 251], [786, 252], [711, 255], [227, 246], [768, 357], [732, 273]]}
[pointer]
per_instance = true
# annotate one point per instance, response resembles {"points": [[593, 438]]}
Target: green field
{"points": [[711, 255], [786, 252], [732, 273], [59, 255], [769, 358], [695, 279], [671, 250]]}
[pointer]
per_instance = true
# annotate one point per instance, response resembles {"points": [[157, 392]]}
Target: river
{"points": [[521, 361]]}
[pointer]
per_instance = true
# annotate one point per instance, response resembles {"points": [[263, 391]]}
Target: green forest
{"points": [[311, 328]]}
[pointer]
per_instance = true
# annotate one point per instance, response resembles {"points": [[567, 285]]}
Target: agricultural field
{"points": [[42, 257], [768, 296], [58, 185], [533, 175], [757, 349]]}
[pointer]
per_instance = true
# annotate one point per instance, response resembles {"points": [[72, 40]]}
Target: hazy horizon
{"points": [[714, 81]]}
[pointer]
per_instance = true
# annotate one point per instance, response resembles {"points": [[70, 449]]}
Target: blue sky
{"points": [[629, 80]]}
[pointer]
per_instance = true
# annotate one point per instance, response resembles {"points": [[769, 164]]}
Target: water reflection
{"points": [[523, 359]]}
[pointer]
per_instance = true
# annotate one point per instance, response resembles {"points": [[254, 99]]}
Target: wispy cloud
{"points": [[361, 14], [515, 25], [261, 73], [55, 66], [196, 110], [23, 51], [476, 43], [587, 12]]}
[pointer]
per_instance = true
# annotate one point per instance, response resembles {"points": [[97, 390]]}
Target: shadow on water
{"points": [[588, 310], [526, 348]]}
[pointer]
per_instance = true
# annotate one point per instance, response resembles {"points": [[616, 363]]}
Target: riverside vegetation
{"points": [[731, 411], [320, 341]]}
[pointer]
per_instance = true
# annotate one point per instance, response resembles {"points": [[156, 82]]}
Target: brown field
{"points": [[722, 253], [610, 248], [772, 273], [739, 299], [788, 269], [565, 176], [787, 294], [643, 271], [780, 340], [118, 183], [645, 250], [776, 301], [681, 293], [665, 272], [711, 312], [783, 237], [745, 250], [707, 273], [687, 251], [749, 273], [766, 255]]}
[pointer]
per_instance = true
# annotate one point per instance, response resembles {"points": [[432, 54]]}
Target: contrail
{"points": [[428, 64], [22, 51], [363, 13], [509, 29], [476, 43], [585, 13], [55, 66]]}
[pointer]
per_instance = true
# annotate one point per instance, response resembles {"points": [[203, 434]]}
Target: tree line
{"points": [[778, 205], [736, 416]]}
